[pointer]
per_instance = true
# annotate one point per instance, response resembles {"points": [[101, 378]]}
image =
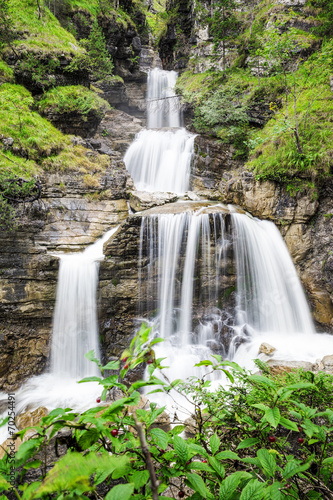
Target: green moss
{"points": [[45, 34], [34, 137], [71, 99], [6, 73]]}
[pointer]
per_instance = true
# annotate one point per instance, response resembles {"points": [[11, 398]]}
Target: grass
{"points": [[74, 98], [6, 73], [37, 144], [44, 34]]}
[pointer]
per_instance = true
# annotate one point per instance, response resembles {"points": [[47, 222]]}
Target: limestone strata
{"points": [[76, 208]]}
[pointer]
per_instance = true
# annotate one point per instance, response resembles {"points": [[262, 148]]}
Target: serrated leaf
{"points": [[267, 462], [196, 465], [293, 467], [121, 491], [140, 478], [227, 455], [33, 465], [196, 482], [27, 449], [181, 448], [198, 449], [217, 466], [273, 416], [214, 443], [273, 492], [247, 443], [177, 430], [112, 365], [300, 385], [230, 483], [261, 406], [288, 424], [88, 438], [160, 437], [254, 490]]}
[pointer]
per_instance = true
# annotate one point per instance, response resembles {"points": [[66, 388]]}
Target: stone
{"points": [[267, 349], [10, 445], [143, 200], [190, 195], [191, 427], [30, 418], [327, 362], [279, 367]]}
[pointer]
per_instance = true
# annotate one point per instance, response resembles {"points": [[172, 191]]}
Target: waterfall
{"points": [[75, 329], [160, 160], [186, 273], [75, 332]]}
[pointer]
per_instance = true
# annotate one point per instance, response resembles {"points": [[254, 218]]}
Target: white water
{"points": [[160, 160], [186, 254], [75, 332]]}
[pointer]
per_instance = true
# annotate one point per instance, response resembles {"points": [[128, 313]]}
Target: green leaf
{"points": [[90, 379], [214, 443], [91, 356], [4, 485], [198, 485], [112, 365], [217, 466], [273, 491], [121, 492], [267, 462], [206, 362], [300, 385], [247, 443], [227, 455], [160, 437], [261, 406], [198, 449], [27, 449], [140, 478], [88, 438], [263, 381], [196, 465], [288, 424], [177, 430], [293, 467], [273, 416], [228, 374], [328, 461], [254, 490], [230, 484], [181, 448], [33, 465]]}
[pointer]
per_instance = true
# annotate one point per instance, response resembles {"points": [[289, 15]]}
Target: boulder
{"points": [[267, 349]]}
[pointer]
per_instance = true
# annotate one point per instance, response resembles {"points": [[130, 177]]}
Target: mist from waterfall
{"points": [[160, 160], [186, 269]]}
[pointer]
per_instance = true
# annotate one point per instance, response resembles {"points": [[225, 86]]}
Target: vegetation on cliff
{"points": [[265, 437], [273, 99]]}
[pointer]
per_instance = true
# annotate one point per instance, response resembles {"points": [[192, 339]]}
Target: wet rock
{"points": [[267, 349], [143, 200], [327, 362], [279, 367], [31, 418], [191, 427]]}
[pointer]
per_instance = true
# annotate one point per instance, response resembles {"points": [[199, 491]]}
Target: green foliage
{"points": [[6, 73], [7, 32], [43, 33], [262, 437], [101, 64], [41, 71], [72, 99]]}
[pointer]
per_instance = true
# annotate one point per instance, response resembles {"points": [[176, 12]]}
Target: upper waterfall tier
{"points": [[163, 108], [160, 160]]}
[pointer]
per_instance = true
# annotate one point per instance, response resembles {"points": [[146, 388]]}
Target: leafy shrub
{"points": [[260, 438]]}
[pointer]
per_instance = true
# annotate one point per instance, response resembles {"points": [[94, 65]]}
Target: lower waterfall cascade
{"points": [[189, 277]]}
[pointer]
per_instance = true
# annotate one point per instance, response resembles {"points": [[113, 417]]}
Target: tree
{"points": [[223, 24], [101, 62], [7, 31], [282, 51]]}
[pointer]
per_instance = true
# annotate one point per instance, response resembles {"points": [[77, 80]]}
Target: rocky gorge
{"points": [[76, 208]]}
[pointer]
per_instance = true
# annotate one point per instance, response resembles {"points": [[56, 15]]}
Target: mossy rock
{"points": [[73, 109]]}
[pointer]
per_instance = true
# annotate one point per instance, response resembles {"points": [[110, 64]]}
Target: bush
{"points": [[261, 438]]}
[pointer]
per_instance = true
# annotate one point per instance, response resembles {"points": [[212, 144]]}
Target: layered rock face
{"points": [[304, 222], [76, 208], [129, 283]]}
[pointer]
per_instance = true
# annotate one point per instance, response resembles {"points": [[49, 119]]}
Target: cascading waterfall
{"points": [[75, 332], [187, 272], [160, 160], [75, 329]]}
